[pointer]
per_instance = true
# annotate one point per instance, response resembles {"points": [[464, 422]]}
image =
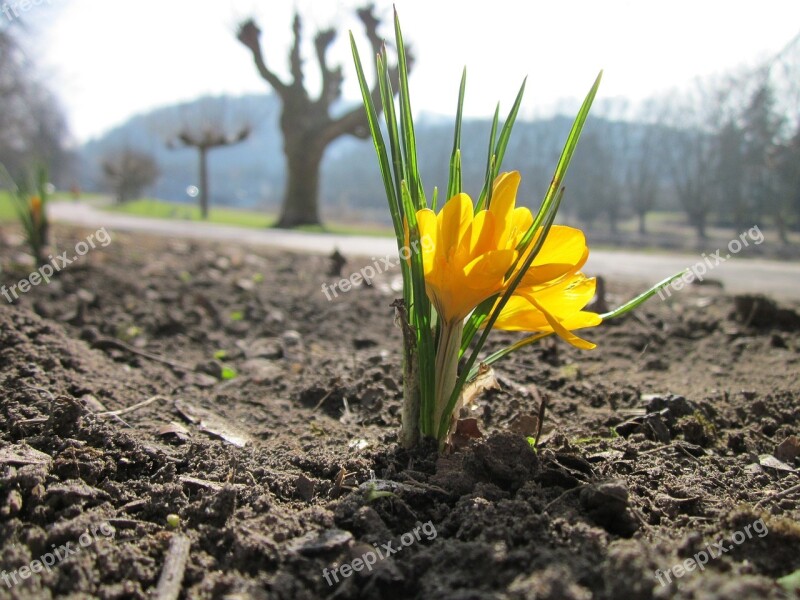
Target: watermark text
{"points": [[54, 265], [713, 550], [698, 271], [383, 551]]}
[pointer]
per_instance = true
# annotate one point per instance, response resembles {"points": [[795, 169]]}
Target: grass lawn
{"points": [[7, 212], [160, 209]]}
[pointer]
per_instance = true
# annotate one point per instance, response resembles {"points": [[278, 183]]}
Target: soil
{"points": [[266, 442]]}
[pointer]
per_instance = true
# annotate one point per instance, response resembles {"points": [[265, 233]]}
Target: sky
{"points": [[110, 59]]}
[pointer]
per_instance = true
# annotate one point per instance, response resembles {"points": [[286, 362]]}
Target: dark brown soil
{"points": [[663, 441]]}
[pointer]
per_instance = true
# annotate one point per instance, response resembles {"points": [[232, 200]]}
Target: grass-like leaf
{"points": [[454, 181], [563, 162], [643, 297], [407, 122], [490, 159], [380, 145]]}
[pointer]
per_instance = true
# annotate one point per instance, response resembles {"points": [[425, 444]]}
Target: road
{"points": [[738, 274]]}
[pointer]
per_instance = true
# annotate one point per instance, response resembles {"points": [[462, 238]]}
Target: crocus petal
{"points": [[504, 195], [429, 234], [562, 245], [488, 270], [454, 218], [482, 233], [556, 308], [562, 332]]}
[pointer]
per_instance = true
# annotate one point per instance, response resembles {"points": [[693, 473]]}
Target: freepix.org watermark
{"points": [[378, 266], [50, 559], [713, 550], [55, 264], [712, 261], [12, 10], [383, 551]]}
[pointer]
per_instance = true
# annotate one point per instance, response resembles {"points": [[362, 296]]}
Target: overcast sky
{"points": [[110, 59]]}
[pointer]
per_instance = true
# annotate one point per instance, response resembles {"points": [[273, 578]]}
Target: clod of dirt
{"points": [[788, 449], [606, 504], [505, 459], [675, 405], [553, 583], [320, 543], [760, 311]]}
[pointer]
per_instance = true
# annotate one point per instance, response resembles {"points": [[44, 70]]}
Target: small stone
{"points": [[13, 504], [263, 348], [210, 367], [320, 543], [261, 370], [291, 338]]}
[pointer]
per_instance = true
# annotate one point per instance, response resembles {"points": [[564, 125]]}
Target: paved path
{"points": [[738, 274]]}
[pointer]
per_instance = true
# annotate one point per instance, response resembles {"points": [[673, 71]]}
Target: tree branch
{"points": [[249, 34], [354, 122], [295, 60], [210, 138], [331, 78]]}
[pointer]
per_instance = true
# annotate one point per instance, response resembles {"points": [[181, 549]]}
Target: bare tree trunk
{"points": [[700, 226], [301, 198], [642, 224], [203, 153]]}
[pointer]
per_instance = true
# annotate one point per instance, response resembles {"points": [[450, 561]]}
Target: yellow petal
{"points": [[555, 308], [563, 253], [563, 245], [562, 332], [504, 195], [521, 221], [453, 219], [482, 233], [488, 270], [428, 234]]}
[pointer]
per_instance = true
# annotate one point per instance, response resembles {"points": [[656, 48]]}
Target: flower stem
{"points": [[446, 366]]}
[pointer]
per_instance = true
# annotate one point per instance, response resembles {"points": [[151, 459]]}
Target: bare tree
{"points": [[689, 124], [32, 125], [762, 126], [129, 172], [306, 123], [691, 157], [642, 168], [594, 190], [783, 163], [204, 137], [739, 208]]}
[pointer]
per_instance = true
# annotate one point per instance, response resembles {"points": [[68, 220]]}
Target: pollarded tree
{"points": [[205, 139], [306, 122]]}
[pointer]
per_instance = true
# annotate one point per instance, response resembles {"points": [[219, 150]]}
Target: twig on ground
{"points": [[569, 491], [137, 406], [778, 496], [169, 584], [104, 343]]}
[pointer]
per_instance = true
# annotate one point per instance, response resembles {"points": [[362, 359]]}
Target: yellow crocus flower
{"points": [[466, 255]]}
